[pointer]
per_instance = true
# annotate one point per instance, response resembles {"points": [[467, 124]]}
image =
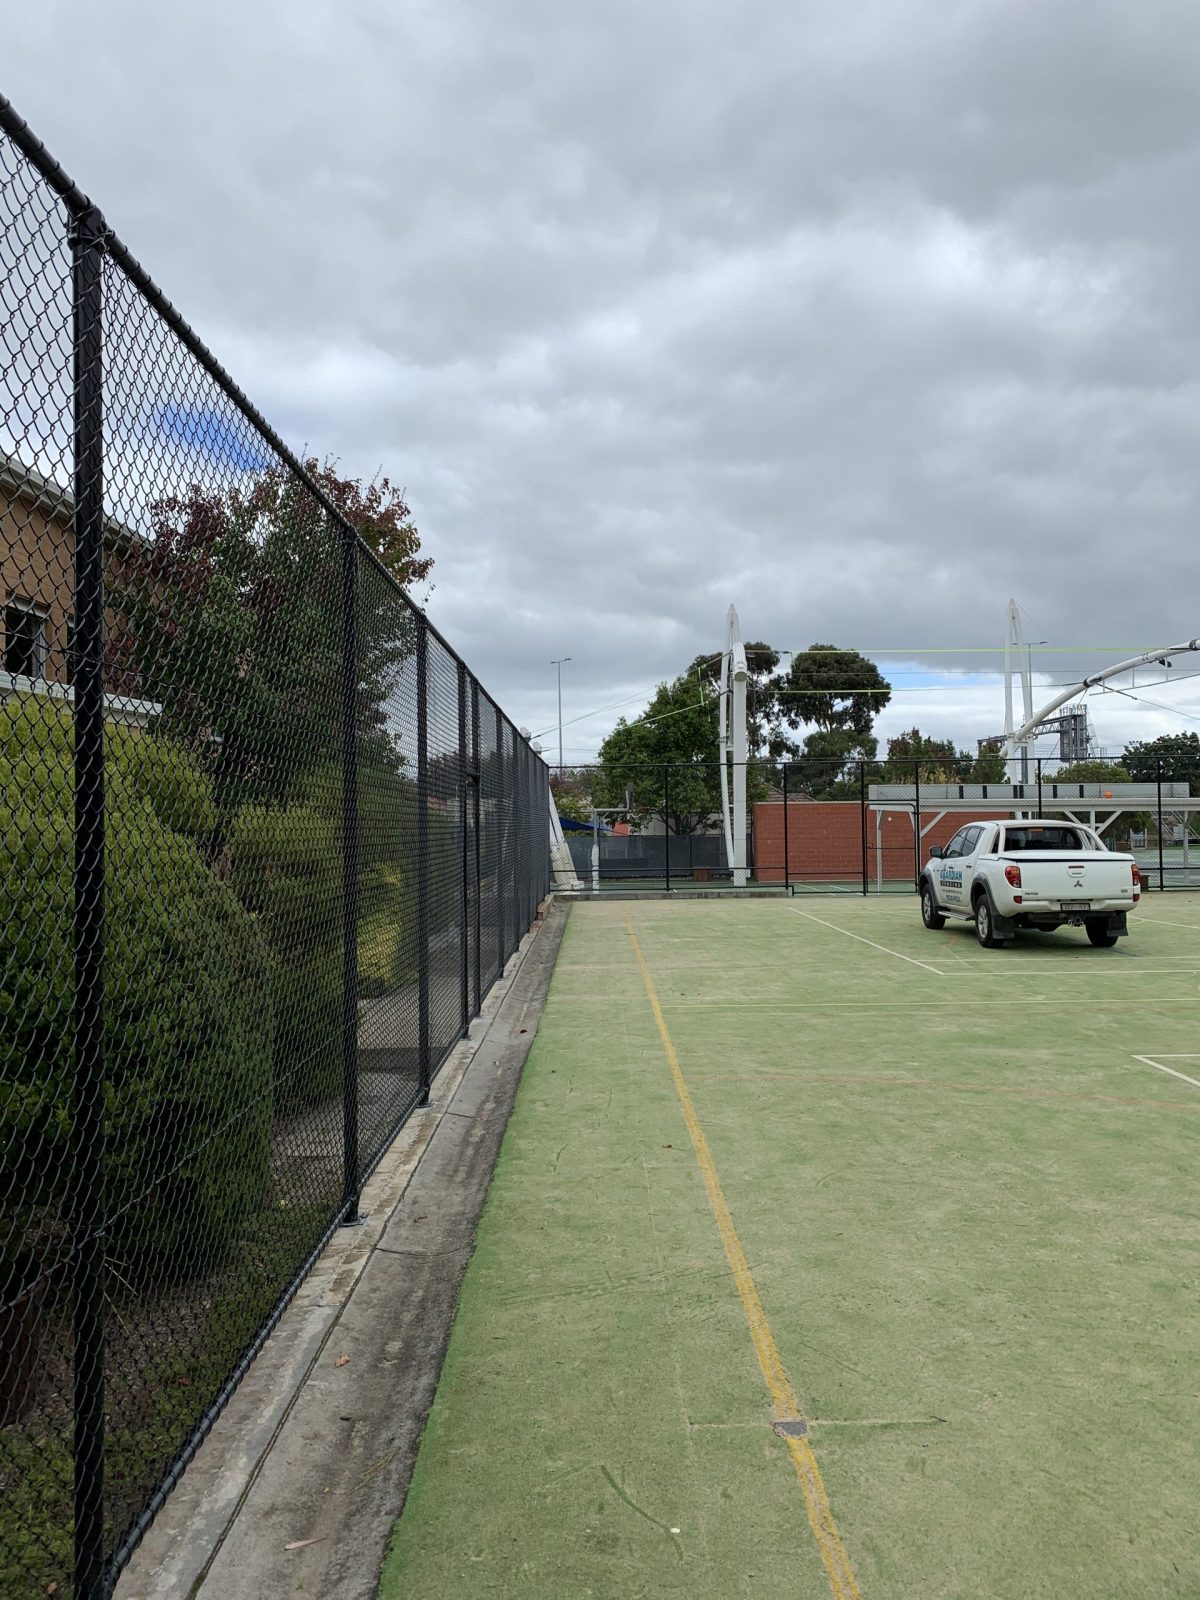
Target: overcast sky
{"points": [[862, 316]]}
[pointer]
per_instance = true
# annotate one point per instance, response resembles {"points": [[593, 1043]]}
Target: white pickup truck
{"points": [[1029, 874]]}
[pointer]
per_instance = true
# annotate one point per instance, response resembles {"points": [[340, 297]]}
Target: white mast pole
{"points": [[1012, 624], [734, 746], [723, 738], [740, 675]]}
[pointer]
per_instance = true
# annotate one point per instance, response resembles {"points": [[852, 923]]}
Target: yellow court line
{"points": [[785, 1404]]}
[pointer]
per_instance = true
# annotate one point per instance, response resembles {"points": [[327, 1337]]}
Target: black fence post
{"points": [[862, 808], [667, 826], [1162, 876], [477, 865], [787, 864], [349, 696], [1039, 784], [527, 760], [464, 884], [917, 824], [423, 860], [87, 1107], [501, 897]]}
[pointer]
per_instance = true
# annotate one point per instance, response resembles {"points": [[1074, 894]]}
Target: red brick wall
{"points": [[825, 841]]}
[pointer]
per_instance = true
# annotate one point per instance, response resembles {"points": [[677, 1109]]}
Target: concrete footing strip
{"points": [[316, 1452]]}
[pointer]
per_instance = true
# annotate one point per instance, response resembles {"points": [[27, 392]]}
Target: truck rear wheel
{"points": [[930, 915], [984, 930], [1098, 934]]}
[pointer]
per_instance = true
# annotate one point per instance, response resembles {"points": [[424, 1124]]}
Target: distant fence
{"points": [[852, 828], [267, 845]]}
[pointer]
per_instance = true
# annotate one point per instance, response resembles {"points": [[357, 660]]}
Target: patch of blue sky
{"points": [[910, 675], [212, 433]]}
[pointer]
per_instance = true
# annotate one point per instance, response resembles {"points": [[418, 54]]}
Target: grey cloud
{"points": [[862, 316]]}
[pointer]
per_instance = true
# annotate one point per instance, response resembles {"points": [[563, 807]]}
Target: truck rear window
{"points": [[1017, 839]]}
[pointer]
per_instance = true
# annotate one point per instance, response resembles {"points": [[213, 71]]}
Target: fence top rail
{"points": [[80, 206]]}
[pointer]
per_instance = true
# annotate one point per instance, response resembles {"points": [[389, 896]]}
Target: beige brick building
{"points": [[37, 588]]}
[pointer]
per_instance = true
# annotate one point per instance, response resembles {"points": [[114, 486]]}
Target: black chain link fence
{"points": [[854, 827], [267, 845]]}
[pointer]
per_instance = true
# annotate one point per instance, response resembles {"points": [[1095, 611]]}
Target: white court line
{"points": [[1149, 1061], [1165, 922], [1138, 971], [912, 961]]}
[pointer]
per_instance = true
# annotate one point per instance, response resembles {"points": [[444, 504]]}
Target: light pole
{"points": [[559, 664]]}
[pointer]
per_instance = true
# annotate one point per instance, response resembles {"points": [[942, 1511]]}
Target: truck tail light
{"points": [[1137, 881], [1013, 875]]}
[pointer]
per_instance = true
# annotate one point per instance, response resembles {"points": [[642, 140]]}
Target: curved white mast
{"points": [[1031, 725]]}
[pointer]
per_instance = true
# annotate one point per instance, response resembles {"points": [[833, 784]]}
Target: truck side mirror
{"points": [[935, 852]]}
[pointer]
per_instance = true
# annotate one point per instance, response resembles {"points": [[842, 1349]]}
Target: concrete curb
{"points": [[280, 1464]]}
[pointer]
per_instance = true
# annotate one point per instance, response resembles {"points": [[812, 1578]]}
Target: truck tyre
{"points": [[1098, 934], [930, 915], [984, 923]]}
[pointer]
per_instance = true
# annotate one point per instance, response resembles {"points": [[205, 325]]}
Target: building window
{"points": [[24, 640]]}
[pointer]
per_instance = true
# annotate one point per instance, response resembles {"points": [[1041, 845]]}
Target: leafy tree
{"points": [[677, 730], [838, 693], [936, 759], [232, 622], [940, 762], [833, 690], [571, 790], [989, 766], [767, 739], [1179, 754], [1091, 771], [1102, 772], [829, 765], [382, 518], [572, 807]]}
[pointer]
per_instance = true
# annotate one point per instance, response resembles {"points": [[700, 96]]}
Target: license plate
{"points": [[1074, 905]]}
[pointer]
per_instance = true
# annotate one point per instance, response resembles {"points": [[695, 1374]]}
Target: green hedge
{"points": [[286, 868], [285, 865], [187, 1002]]}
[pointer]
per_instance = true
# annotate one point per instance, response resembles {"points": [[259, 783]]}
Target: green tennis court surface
{"points": [[968, 1217]]}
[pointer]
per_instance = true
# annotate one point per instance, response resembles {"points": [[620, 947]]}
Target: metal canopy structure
{"points": [[1033, 721]]}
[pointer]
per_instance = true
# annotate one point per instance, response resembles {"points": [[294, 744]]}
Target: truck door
{"points": [[973, 838], [949, 872]]}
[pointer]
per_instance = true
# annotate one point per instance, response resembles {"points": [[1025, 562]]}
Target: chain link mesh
{"points": [[310, 880]]}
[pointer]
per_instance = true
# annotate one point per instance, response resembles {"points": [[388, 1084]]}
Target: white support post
{"points": [[733, 747], [879, 851], [740, 674]]}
